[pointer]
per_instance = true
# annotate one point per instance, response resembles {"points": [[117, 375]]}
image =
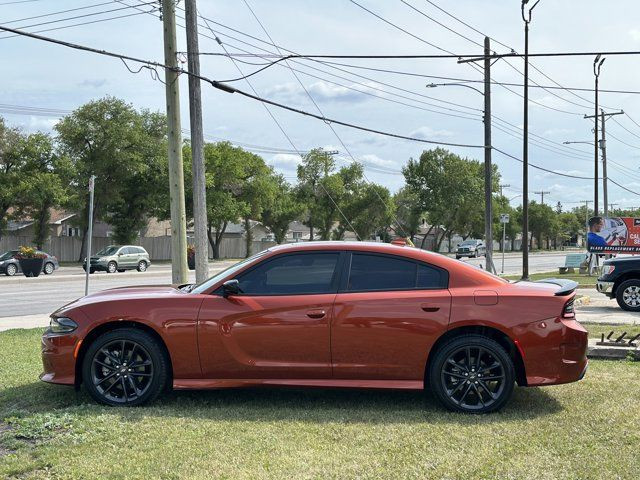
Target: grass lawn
{"points": [[583, 280], [597, 329], [586, 430]]}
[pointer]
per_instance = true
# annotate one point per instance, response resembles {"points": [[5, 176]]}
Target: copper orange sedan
{"points": [[326, 314]]}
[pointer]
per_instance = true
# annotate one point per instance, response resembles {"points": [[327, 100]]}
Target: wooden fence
{"points": [[67, 249]]}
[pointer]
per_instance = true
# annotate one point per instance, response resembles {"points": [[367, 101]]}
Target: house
{"points": [[62, 223]]}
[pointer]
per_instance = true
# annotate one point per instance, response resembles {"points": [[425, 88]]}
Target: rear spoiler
{"points": [[567, 287]]}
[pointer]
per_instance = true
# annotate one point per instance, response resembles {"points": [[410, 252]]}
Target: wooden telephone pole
{"points": [[174, 135]]}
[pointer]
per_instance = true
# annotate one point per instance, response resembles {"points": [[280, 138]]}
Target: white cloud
{"points": [[39, 124], [321, 91], [635, 34], [285, 161], [428, 133], [373, 159]]}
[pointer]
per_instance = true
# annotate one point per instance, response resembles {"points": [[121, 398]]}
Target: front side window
{"points": [[292, 274], [380, 272]]}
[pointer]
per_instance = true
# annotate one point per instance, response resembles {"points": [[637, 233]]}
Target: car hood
{"points": [[614, 261], [123, 293]]}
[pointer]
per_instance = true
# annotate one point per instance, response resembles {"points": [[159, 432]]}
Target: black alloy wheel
{"points": [[125, 367], [472, 374]]}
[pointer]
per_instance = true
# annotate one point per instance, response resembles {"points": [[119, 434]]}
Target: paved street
{"points": [[28, 296]]}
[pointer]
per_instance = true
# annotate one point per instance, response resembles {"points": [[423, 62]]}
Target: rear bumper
{"points": [[554, 352]]}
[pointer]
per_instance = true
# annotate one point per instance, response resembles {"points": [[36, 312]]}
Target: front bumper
{"points": [[605, 287], [58, 359]]}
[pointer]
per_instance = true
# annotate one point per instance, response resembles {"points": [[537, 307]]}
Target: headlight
{"points": [[62, 325], [608, 269]]}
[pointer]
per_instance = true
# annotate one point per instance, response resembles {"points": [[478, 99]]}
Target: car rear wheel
{"points": [[628, 295], [142, 266], [112, 267], [11, 270], [125, 367], [48, 268], [472, 374]]}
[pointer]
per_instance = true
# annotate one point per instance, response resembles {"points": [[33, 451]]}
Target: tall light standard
{"points": [[525, 144], [597, 63]]}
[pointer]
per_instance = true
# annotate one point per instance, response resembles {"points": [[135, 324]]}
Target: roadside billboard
{"points": [[614, 235]]}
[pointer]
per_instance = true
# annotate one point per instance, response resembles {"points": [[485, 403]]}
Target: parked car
{"points": [[118, 258], [9, 264], [620, 279], [471, 248], [324, 314]]}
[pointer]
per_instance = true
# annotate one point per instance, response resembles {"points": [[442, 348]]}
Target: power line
{"points": [[51, 14], [18, 1]]}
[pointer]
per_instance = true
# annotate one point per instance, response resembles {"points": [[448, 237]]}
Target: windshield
{"points": [[468, 242], [108, 250], [8, 255], [227, 271]]}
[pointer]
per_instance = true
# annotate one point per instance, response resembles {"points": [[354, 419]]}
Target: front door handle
{"points": [[316, 313], [429, 308]]}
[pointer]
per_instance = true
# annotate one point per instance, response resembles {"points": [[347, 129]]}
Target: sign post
{"points": [[504, 219], [92, 183]]}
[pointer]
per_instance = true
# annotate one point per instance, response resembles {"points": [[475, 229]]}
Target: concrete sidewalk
{"points": [[25, 321]]}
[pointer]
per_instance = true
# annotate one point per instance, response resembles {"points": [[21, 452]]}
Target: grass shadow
{"points": [[277, 405]]}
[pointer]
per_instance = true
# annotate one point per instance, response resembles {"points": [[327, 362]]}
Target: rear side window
{"points": [[293, 274], [378, 272]]}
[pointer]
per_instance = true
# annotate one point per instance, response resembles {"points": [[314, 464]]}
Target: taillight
{"points": [[608, 269], [568, 311]]}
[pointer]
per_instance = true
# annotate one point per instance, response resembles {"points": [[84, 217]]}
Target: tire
{"points": [[142, 266], [104, 362], [628, 295], [112, 267], [458, 257], [48, 268], [11, 270], [91, 270], [120, 270], [461, 388]]}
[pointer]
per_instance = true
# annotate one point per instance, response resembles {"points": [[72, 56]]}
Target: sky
{"points": [[42, 75]]}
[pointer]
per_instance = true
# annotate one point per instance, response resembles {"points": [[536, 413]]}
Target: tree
{"points": [[408, 214], [316, 190], [40, 186], [282, 209], [11, 164], [123, 148], [542, 220]]}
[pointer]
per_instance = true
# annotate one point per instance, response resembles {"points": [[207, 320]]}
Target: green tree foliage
{"points": [[125, 150], [542, 222], [11, 165], [41, 184], [408, 214], [281, 209]]}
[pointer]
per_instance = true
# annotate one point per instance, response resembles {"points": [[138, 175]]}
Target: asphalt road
{"points": [[28, 296]]}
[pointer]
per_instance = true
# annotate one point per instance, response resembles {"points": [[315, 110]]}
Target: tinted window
{"points": [[376, 272], [430, 277], [140, 250], [292, 274]]}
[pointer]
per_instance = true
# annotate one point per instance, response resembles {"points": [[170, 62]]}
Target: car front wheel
{"points": [[472, 374], [11, 270], [628, 295], [112, 267], [125, 367]]}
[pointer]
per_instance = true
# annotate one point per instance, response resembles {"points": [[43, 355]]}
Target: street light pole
{"points": [[525, 145], [597, 63]]}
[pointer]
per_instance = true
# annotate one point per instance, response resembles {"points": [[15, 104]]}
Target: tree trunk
{"points": [[424, 238], [248, 235], [41, 226], [444, 233]]}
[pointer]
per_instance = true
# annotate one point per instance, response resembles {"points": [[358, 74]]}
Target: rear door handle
{"points": [[429, 308], [316, 313]]}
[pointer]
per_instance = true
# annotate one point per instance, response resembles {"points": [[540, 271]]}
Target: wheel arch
{"points": [[116, 325], [631, 275], [490, 332]]}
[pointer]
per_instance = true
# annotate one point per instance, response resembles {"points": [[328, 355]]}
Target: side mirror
{"points": [[231, 287]]}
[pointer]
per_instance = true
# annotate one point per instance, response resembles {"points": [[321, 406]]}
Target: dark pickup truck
{"points": [[620, 279]]}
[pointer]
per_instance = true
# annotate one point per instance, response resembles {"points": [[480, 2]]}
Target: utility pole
{"points": [[197, 145], [611, 205], [87, 266], [488, 169], [597, 63], [542, 194], [176, 171], [525, 145], [603, 147], [586, 220], [501, 186]]}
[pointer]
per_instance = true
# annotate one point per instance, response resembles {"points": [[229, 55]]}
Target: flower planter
{"points": [[191, 262], [31, 267]]}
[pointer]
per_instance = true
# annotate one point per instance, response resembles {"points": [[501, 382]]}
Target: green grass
{"points": [[583, 280], [585, 430], [597, 329]]}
